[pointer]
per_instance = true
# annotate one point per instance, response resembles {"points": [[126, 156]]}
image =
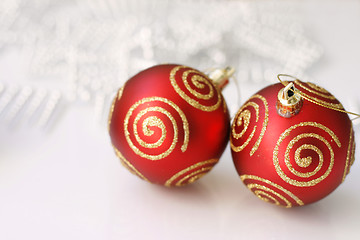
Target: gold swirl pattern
{"points": [[111, 113], [315, 89], [119, 94], [155, 121], [243, 117], [200, 81], [352, 160], [187, 175], [224, 104], [128, 165], [272, 193], [319, 91], [350, 154], [303, 163]]}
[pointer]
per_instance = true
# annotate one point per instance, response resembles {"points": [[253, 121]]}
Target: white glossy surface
{"points": [[68, 183]]}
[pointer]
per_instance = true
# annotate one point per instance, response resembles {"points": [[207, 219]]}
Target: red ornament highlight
{"points": [[290, 151], [169, 124]]}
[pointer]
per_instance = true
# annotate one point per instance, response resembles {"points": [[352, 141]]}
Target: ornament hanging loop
{"points": [[297, 92]]}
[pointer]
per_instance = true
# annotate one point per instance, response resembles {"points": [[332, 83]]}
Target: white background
{"points": [[68, 183]]}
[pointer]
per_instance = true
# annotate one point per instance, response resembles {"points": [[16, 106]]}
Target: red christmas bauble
{"points": [[292, 157], [169, 124]]}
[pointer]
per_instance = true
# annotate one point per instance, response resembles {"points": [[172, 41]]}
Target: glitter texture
{"points": [[128, 165], [350, 154], [305, 162], [119, 94], [243, 117], [199, 80], [266, 191], [187, 173], [155, 121], [324, 93], [325, 103], [291, 144]]}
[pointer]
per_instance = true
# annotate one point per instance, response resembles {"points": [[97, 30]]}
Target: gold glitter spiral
{"points": [[191, 174], [128, 165], [243, 118], [270, 192], [200, 82], [154, 105], [304, 162], [117, 98], [350, 156], [316, 90]]}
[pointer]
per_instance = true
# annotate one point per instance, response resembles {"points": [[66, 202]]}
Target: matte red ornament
{"points": [[288, 150], [169, 124]]}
